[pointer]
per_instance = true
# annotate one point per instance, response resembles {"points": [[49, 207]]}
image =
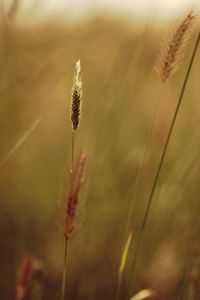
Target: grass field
{"points": [[125, 105]]}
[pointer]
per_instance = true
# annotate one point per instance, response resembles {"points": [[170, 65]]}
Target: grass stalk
{"points": [[75, 112], [64, 271], [63, 290], [72, 158], [149, 202], [127, 234], [122, 264], [64, 279], [170, 132]]}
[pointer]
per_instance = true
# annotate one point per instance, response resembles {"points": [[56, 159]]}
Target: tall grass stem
{"points": [[170, 133], [64, 271], [64, 279], [149, 202]]}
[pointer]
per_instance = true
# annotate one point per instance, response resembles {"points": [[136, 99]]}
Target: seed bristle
{"points": [[173, 47], [73, 196]]}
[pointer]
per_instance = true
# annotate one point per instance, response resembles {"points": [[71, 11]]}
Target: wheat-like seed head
{"points": [[73, 196], [173, 47], [76, 97]]}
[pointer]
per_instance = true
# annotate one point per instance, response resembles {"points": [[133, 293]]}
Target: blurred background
{"points": [[126, 115]]}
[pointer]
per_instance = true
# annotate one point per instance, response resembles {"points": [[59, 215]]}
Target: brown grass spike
{"points": [[173, 48], [77, 173], [76, 97]]}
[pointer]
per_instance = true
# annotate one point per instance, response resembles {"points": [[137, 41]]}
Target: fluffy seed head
{"points": [[173, 47], [76, 96], [73, 196]]}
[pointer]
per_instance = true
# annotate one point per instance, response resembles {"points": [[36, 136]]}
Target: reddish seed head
{"points": [[73, 197]]}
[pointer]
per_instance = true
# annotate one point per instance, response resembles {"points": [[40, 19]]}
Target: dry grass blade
{"points": [[125, 253], [123, 263], [76, 97], [165, 148], [20, 142], [173, 47]]}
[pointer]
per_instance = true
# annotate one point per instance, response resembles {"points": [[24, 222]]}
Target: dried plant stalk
{"points": [[173, 48], [76, 97], [77, 174], [25, 272], [125, 253], [73, 197], [163, 155]]}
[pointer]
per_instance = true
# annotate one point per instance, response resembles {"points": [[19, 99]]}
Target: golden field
{"points": [[126, 114]]}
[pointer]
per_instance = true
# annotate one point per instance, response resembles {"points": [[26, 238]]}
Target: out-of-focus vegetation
{"points": [[123, 100]]}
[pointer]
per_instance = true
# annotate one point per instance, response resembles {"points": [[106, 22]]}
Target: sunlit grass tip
{"points": [[125, 253], [173, 47], [76, 96]]}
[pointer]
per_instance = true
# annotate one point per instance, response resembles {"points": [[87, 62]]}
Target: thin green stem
{"points": [[149, 202]]}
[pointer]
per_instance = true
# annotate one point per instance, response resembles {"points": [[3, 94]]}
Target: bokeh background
{"points": [[125, 119]]}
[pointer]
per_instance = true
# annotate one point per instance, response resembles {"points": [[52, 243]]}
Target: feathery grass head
{"points": [[73, 196], [173, 47], [76, 96]]}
